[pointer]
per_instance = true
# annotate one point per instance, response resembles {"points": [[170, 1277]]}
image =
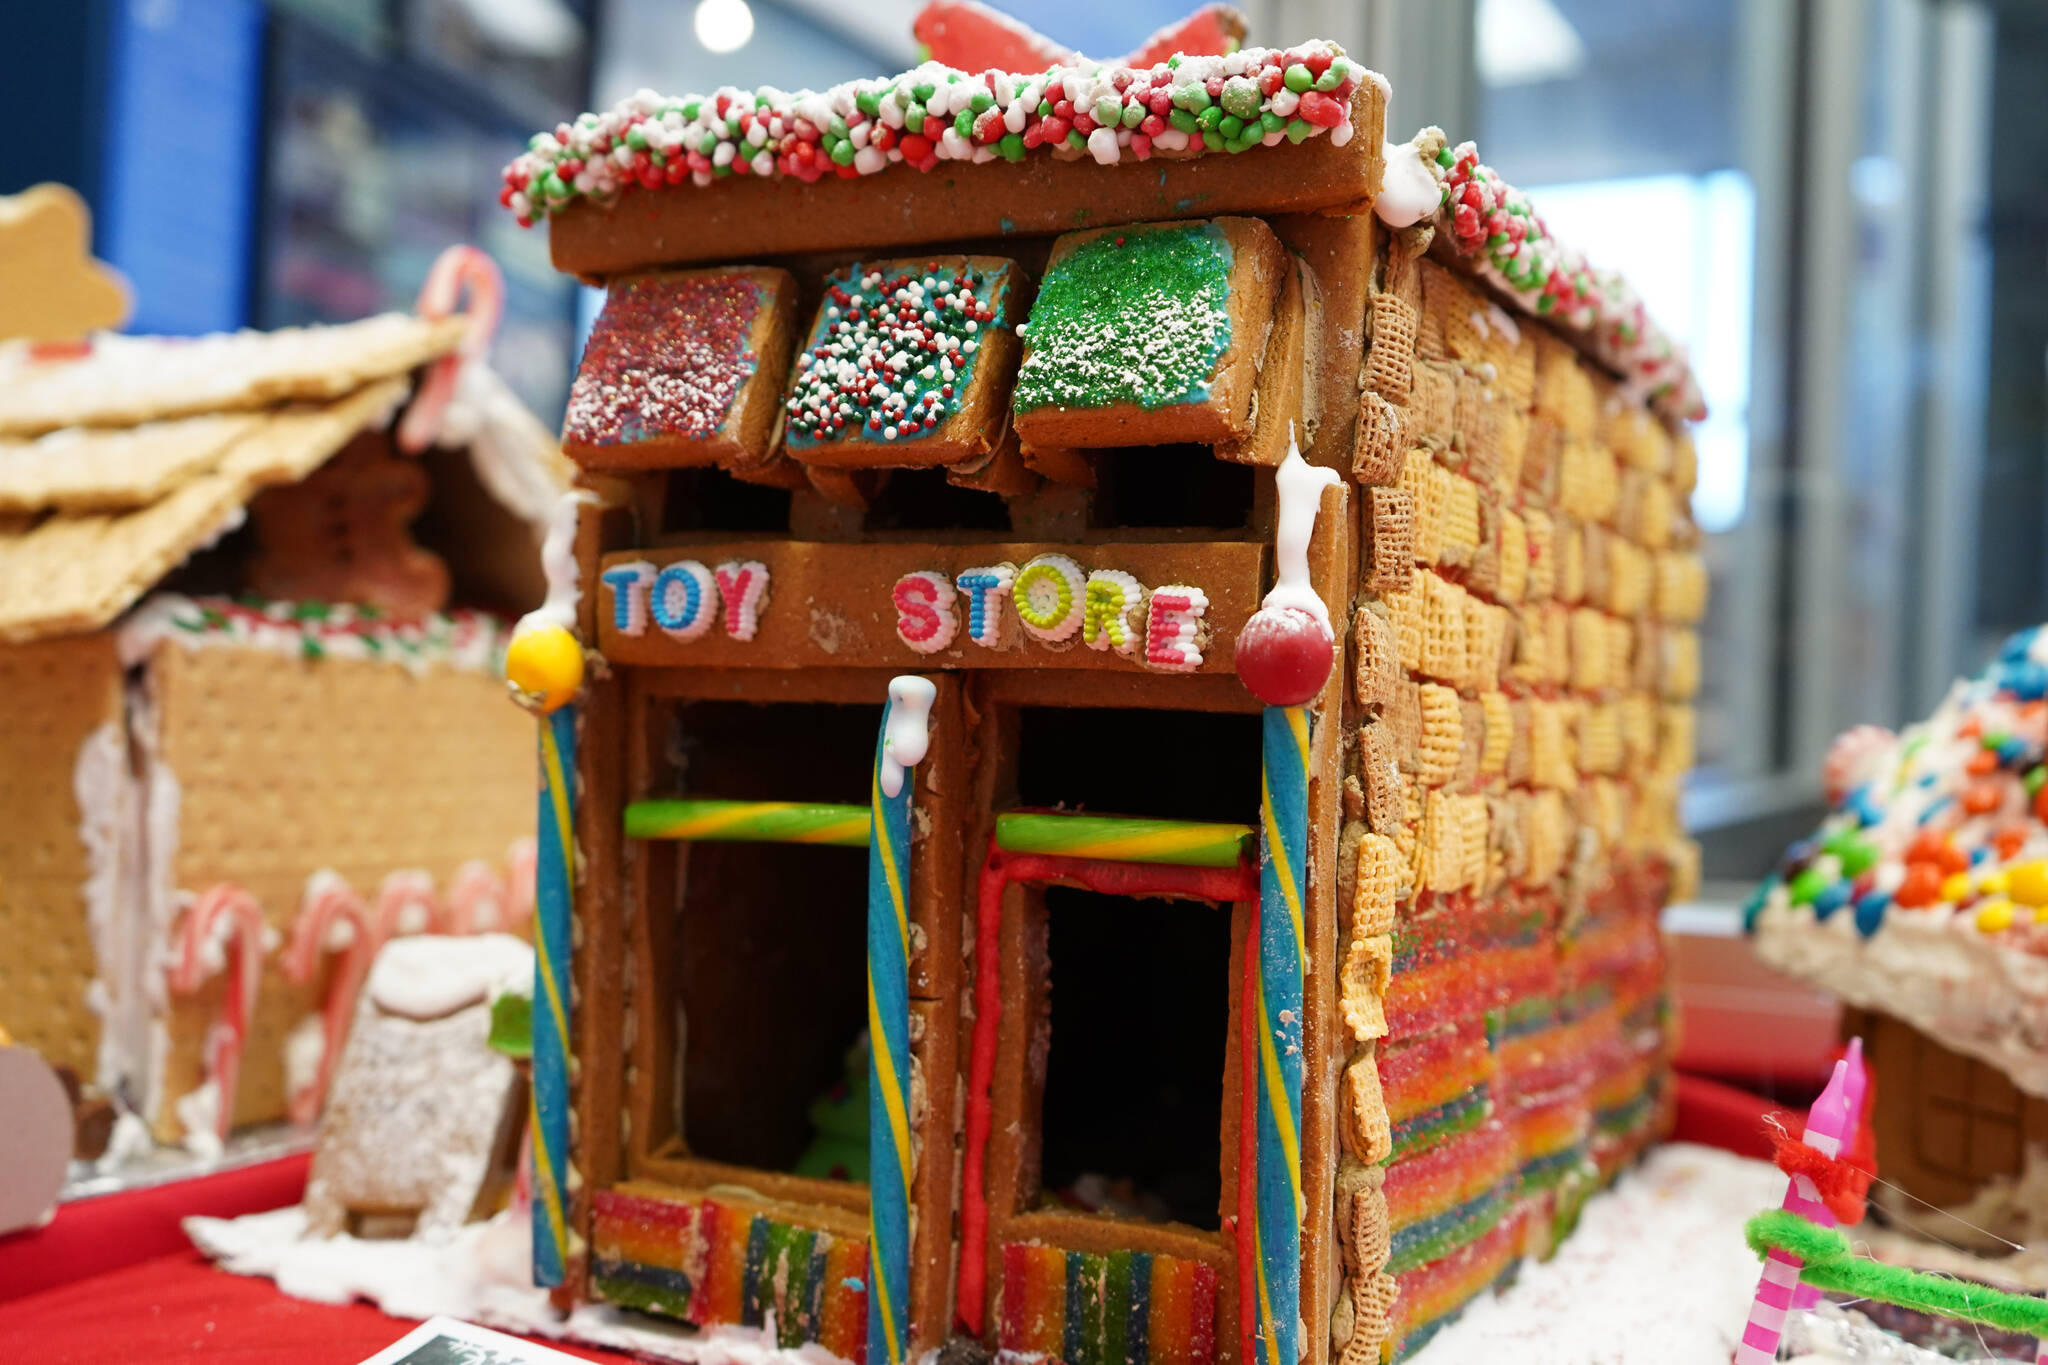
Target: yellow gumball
{"points": [[2027, 882], [545, 665]]}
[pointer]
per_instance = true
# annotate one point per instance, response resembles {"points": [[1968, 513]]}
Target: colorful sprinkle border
{"points": [[1185, 106]]}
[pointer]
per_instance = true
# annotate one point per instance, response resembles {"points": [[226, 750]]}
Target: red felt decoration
{"points": [[1841, 1182]]}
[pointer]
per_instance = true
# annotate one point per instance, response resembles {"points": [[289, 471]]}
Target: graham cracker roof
{"points": [[117, 465]]}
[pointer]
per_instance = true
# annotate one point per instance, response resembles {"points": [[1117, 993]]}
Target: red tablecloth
{"points": [[180, 1308]]}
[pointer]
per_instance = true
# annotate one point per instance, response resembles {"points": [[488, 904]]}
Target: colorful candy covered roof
{"points": [[1493, 226], [1925, 891], [1184, 106]]}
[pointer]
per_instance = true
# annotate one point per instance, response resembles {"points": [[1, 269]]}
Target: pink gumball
{"points": [[1284, 655]]}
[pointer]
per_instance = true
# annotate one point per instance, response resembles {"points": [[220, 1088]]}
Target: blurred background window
{"points": [[1840, 205]]}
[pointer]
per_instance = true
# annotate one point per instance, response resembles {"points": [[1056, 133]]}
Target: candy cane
{"points": [[453, 269], [401, 892], [220, 912], [476, 899], [332, 919]]}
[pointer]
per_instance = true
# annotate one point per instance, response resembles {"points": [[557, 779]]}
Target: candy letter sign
{"points": [[1051, 600], [685, 600]]}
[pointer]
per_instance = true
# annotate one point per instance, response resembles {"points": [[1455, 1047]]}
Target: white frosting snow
{"points": [[198, 1112], [1408, 192], [909, 733], [430, 976]]}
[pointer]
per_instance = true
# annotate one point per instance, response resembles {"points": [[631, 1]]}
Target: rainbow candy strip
{"points": [[1448, 1196], [553, 885], [1437, 1086], [889, 1154], [1122, 839], [704, 820], [1123, 1308], [712, 1262], [1283, 965], [1432, 1296]]}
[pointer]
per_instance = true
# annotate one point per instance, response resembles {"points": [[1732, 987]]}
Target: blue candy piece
{"points": [[1829, 899], [2016, 645], [1754, 906], [1870, 912], [1862, 803], [2013, 753], [2025, 679]]}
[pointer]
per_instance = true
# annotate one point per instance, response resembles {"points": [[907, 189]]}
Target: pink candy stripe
{"points": [[1773, 1295]]}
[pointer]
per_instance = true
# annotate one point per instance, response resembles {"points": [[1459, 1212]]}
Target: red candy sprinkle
{"points": [[666, 358]]}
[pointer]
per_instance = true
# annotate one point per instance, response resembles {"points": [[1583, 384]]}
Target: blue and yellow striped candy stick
{"points": [[898, 748], [553, 884], [1283, 963]]}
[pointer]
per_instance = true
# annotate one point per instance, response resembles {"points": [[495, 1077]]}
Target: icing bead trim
{"points": [[1185, 106], [467, 640], [1113, 599], [987, 591], [1173, 628]]}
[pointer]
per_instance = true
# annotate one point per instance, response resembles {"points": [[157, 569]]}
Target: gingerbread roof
{"points": [[117, 464]]}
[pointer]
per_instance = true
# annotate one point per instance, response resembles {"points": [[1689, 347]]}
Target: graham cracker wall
{"points": [[58, 693], [289, 765]]}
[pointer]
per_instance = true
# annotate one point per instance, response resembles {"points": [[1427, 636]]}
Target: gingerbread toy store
{"points": [[1243, 606]]}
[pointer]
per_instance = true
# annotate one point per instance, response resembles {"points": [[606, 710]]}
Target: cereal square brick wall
{"points": [[1524, 661]]}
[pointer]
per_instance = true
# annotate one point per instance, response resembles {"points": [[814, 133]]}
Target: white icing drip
{"points": [[1409, 191], [129, 1139], [1301, 486], [558, 562], [508, 447], [106, 790], [430, 976], [198, 1113], [304, 1047], [908, 733]]}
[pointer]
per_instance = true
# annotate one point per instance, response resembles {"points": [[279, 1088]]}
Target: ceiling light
{"points": [[723, 25], [1522, 42]]}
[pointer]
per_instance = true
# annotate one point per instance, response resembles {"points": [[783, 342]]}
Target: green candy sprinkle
{"points": [[837, 127], [1077, 142], [1191, 97], [1298, 78], [2035, 779], [1299, 129], [868, 102], [924, 90], [1330, 79], [691, 108], [1108, 111], [1270, 122], [1183, 120], [1209, 118], [842, 154], [1231, 126], [963, 123], [636, 137], [1011, 146], [979, 101], [913, 119], [1241, 97], [1045, 108], [1807, 885], [1143, 322], [1132, 116]]}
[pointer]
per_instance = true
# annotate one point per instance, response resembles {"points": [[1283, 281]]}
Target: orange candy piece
{"points": [[1980, 763], [1931, 846], [1981, 798], [2008, 840], [1922, 886]]}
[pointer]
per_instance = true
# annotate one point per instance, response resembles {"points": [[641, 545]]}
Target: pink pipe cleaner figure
{"points": [[223, 930], [332, 919], [1858, 1080], [1828, 1125]]}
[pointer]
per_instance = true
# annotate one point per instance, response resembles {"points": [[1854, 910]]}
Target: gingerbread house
{"points": [[1252, 1006], [1921, 901], [251, 589]]}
